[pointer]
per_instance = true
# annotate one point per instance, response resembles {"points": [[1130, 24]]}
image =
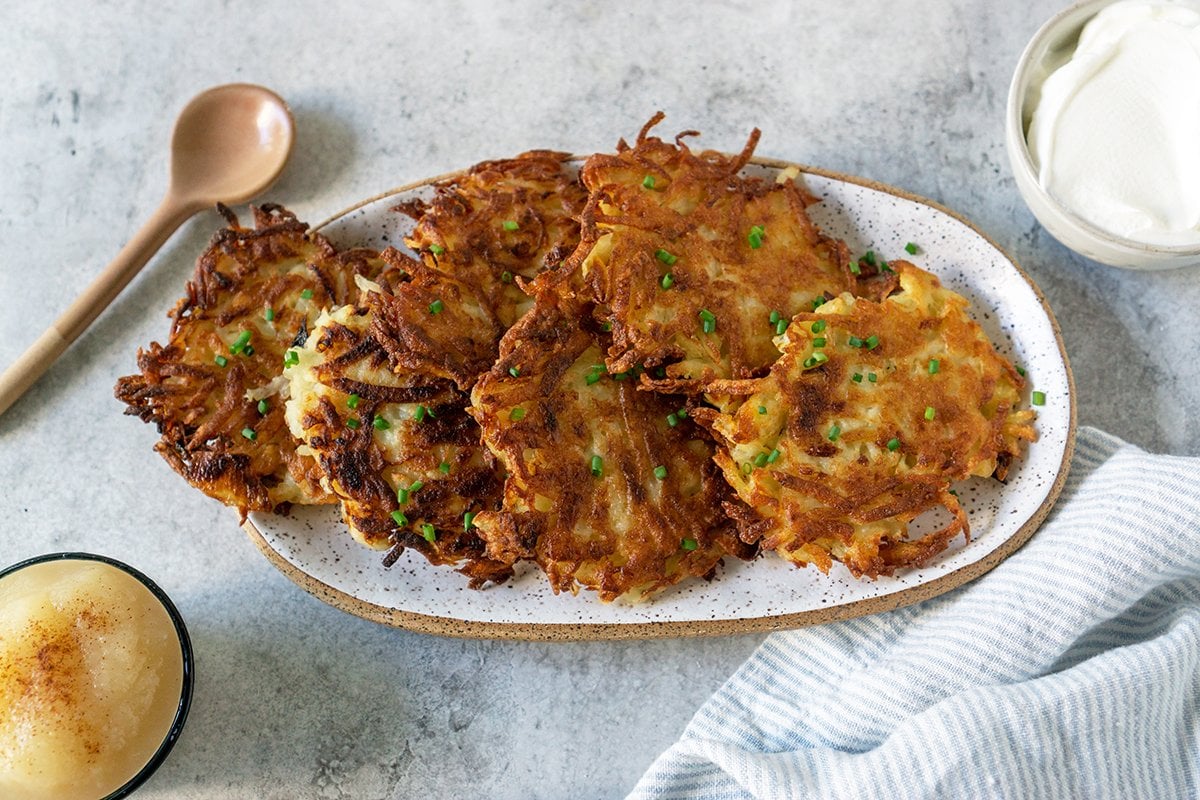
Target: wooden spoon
{"points": [[230, 143]]}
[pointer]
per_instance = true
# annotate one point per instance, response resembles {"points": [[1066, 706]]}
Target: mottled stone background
{"points": [[295, 699]]}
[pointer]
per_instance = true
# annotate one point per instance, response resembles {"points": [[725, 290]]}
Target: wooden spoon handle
{"points": [[166, 219]]}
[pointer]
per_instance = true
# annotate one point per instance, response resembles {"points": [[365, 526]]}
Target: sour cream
{"points": [[1115, 136]]}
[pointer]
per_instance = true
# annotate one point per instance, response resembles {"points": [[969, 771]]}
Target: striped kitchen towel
{"points": [[1072, 670]]}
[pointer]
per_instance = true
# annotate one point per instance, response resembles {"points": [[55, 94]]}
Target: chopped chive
{"points": [[399, 518], [262, 406], [871, 377], [758, 229], [934, 366], [835, 431], [648, 182], [593, 377], [239, 344], [249, 433], [756, 239], [269, 314], [762, 409], [747, 468], [818, 302], [667, 281], [708, 321], [352, 402], [689, 544], [780, 327], [517, 414], [683, 412], [869, 257], [1039, 398], [597, 466], [436, 249], [774, 456], [222, 360], [1020, 370], [428, 531], [855, 269], [760, 460], [856, 377], [606, 326], [510, 225], [815, 359], [819, 341], [818, 326], [665, 257], [872, 342], [893, 445], [885, 266], [620, 376], [307, 294], [468, 521], [248, 350], [929, 412], [436, 307], [660, 472], [416, 486], [352, 423], [290, 359], [514, 371], [672, 419], [419, 414], [854, 341], [775, 317], [381, 424], [444, 468], [506, 277], [910, 248], [402, 495]]}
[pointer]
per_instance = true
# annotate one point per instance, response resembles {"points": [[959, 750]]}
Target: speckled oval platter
{"points": [[312, 547]]}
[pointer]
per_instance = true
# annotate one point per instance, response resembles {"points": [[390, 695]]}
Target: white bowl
{"points": [[1053, 41]]}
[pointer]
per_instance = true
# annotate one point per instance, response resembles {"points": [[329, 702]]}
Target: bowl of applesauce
{"points": [[95, 678]]}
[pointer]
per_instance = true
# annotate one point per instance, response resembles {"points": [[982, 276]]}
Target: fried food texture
{"points": [[501, 223], [396, 444], [213, 389], [870, 414], [609, 488], [692, 258]]}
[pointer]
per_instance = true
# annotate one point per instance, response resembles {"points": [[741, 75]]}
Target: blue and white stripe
{"points": [[1072, 670]]}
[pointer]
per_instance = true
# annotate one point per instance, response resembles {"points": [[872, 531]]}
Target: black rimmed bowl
{"points": [[159, 754]]}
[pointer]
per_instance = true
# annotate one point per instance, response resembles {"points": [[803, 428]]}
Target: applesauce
{"points": [[92, 670]]}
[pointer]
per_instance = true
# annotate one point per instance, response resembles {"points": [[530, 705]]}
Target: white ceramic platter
{"points": [[313, 548]]}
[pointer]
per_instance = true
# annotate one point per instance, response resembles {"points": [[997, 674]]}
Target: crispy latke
{"points": [[254, 292], [397, 445], [499, 223], [870, 414], [692, 258], [609, 488]]}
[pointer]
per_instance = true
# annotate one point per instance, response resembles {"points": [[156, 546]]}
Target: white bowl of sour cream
{"points": [[1103, 131]]}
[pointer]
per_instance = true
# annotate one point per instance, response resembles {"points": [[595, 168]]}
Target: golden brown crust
{"points": [[548, 409], [397, 446], [501, 223], [432, 326], [672, 238], [202, 408], [870, 414]]}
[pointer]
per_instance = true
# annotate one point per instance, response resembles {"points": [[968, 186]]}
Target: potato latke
{"points": [[870, 414]]}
